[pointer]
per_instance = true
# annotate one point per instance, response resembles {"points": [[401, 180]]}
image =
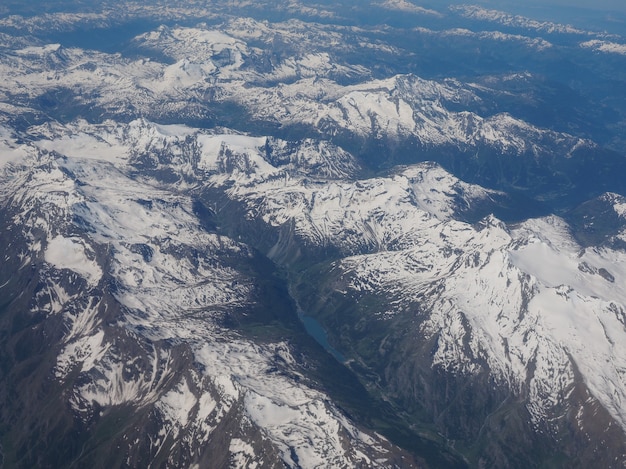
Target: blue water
{"points": [[315, 330]]}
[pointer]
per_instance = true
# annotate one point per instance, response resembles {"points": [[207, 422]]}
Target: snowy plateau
{"points": [[311, 235]]}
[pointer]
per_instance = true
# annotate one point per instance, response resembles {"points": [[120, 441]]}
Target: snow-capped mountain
{"points": [[503, 18], [528, 306], [131, 293], [194, 209], [212, 75]]}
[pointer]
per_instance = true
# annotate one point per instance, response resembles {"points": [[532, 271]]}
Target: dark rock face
{"points": [[475, 412], [97, 374]]}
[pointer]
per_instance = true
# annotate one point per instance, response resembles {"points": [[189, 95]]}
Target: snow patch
{"points": [[39, 50], [604, 46], [84, 145], [242, 454], [10, 152], [403, 5], [176, 405], [71, 253]]}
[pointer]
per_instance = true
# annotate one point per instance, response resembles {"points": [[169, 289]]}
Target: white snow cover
{"points": [[379, 213], [489, 274], [39, 50], [531, 296], [536, 43], [404, 5], [10, 151], [525, 292], [619, 203], [580, 309], [171, 287], [507, 19], [605, 46], [249, 147], [297, 419], [219, 65], [177, 404], [242, 454], [70, 253], [81, 145]]}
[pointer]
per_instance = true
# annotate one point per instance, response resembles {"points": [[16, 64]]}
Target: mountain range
{"points": [[309, 234]]}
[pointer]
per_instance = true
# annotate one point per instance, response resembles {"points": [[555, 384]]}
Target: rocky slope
{"points": [[123, 309]]}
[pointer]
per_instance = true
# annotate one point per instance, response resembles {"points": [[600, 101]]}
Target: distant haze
{"points": [[617, 5]]}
